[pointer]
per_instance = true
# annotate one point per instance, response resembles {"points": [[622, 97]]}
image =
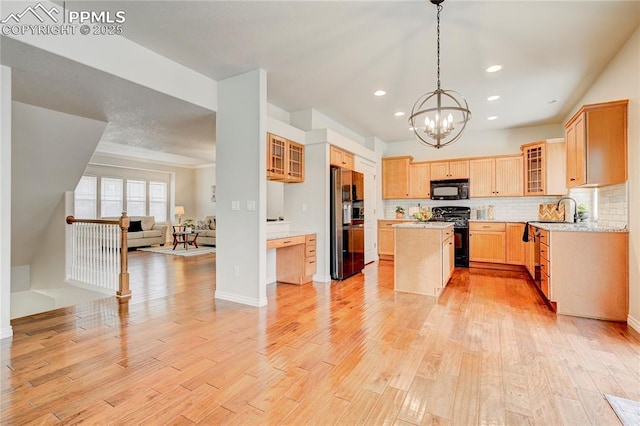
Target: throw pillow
{"points": [[212, 222], [201, 225], [135, 226], [147, 222]]}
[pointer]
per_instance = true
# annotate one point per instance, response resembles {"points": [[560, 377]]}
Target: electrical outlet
{"points": [[304, 207], [251, 205], [236, 271]]}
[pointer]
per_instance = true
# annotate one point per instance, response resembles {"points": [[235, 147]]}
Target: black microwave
{"points": [[453, 189]]}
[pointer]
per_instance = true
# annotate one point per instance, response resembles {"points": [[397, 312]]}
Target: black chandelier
{"points": [[438, 118]]}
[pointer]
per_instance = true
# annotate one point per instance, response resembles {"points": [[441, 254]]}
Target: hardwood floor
{"points": [[353, 352]]}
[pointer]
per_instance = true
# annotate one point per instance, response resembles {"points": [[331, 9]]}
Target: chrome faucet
{"points": [[575, 212]]}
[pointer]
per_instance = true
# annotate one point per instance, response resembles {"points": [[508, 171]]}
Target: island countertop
{"points": [[424, 225]]}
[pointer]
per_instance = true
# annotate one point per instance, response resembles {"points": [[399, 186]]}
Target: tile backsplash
{"points": [[613, 205], [505, 208]]}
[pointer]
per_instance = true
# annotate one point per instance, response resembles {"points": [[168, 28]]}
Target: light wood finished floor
{"points": [[489, 352]]}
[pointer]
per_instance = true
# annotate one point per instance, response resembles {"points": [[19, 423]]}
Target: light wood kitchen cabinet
{"points": [[420, 180], [487, 242], [295, 258], [342, 158], [285, 159], [386, 237], [585, 273], [597, 145], [421, 260], [515, 247], [531, 254], [450, 170], [448, 255], [395, 177], [496, 177], [545, 167]]}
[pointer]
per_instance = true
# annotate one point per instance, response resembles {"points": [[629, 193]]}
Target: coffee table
{"points": [[186, 238]]}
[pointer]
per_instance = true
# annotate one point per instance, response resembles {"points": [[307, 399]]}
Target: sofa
{"points": [[206, 230], [144, 231]]}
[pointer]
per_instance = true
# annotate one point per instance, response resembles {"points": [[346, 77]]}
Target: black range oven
{"points": [[460, 218]]}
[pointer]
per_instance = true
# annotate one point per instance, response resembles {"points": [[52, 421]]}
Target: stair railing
{"points": [[97, 253]]}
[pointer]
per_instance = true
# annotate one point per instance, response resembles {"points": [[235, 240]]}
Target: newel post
{"points": [[123, 278]]}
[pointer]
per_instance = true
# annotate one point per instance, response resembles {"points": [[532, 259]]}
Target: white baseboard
{"points": [[633, 323], [6, 332], [244, 300], [322, 278]]}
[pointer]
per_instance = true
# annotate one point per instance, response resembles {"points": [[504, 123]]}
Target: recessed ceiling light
{"points": [[493, 117], [379, 93], [399, 113], [493, 98], [494, 68]]}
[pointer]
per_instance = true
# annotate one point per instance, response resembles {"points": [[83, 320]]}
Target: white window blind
{"points": [[158, 200], [111, 197], [86, 198], [136, 197]]}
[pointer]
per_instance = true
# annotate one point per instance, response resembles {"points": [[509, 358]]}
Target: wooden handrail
{"points": [[123, 221]]}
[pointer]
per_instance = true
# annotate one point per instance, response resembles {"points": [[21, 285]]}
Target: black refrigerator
{"points": [[347, 223]]}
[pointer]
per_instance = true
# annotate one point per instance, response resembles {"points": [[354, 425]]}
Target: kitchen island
{"points": [[424, 257]]}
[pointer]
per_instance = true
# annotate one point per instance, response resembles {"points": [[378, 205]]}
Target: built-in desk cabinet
{"points": [[295, 258], [285, 159]]}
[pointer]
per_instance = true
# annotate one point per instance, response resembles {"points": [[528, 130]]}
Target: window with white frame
{"points": [[136, 197], [86, 198], [158, 200], [111, 192], [110, 196]]}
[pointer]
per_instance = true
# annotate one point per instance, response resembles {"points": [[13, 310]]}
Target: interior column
{"points": [[5, 202], [241, 181]]}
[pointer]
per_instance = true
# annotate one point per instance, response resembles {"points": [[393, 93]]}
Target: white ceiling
{"points": [[332, 55]]}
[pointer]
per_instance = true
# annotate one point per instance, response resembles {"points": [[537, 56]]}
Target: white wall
{"points": [[125, 59], [476, 144], [204, 178], [47, 267], [241, 272], [50, 151], [621, 80], [5, 202]]}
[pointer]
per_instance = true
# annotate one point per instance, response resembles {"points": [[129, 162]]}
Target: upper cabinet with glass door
{"points": [[285, 159]]}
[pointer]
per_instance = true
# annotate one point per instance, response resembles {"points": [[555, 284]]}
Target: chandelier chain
{"points": [[438, 41]]}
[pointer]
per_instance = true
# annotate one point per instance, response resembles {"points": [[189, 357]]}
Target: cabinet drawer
{"points": [[543, 234], [310, 251], [544, 252], [447, 233], [310, 266], [545, 284], [388, 223], [285, 242], [544, 266], [487, 226], [310, 239]]}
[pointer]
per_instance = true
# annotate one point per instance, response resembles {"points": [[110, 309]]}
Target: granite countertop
{"points": [[424, 225], [286, 234], [579, 227]]}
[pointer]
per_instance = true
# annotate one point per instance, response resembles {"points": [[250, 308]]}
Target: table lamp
{"points": [[179, 213]]}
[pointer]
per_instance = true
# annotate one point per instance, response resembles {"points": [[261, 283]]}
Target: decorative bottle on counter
{"points": [[490, 212]]}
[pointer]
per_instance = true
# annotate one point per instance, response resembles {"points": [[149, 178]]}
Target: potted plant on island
{"points": [[583, 212], [399, 212]]}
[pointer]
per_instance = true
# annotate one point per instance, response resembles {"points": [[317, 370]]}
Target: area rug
{"points": [[627, 410], [180, 251]]}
